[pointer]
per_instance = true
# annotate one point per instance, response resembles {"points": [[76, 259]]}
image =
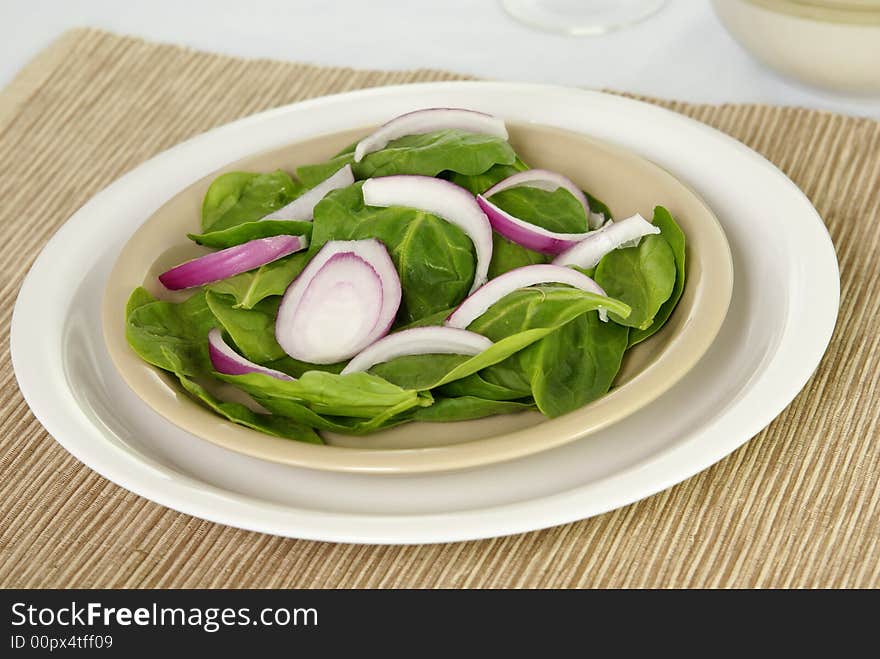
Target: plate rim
{"points": [[662, 470]]}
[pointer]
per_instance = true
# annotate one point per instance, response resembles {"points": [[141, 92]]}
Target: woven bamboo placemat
{"points": [[797, 506]]}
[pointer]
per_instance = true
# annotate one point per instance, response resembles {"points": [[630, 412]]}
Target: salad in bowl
{"points": [[424, 273]]}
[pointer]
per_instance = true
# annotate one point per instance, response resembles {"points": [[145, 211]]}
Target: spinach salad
{"points": [[425, 273]]}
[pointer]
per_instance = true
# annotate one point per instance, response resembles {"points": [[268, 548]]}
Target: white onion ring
{"points": [[530, 275], [345, 299], [419, 341], [588, 252]]}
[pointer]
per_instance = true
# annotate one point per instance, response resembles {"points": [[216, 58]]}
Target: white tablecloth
{"points": [[682, 52]]}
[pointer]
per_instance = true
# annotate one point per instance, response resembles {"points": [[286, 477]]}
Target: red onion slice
{"points": [[588, 252], [527, 234], [542, 179], [443, 199], [345, 299], [530, 275], [420, 122], [419, 341], [231, 261], [303, 207], [226, 360]]}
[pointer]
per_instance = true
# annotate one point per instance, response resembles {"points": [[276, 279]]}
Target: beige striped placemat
{"points": [[797, 506]]}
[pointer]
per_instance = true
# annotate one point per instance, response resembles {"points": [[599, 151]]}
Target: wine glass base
{"points": [[581, 17]]}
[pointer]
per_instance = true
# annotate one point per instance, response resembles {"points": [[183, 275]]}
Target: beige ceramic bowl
{"points": [[627, 183], [833, 44]]}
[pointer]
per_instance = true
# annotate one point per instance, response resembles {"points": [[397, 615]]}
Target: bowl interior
{"points": [[626, 182]]}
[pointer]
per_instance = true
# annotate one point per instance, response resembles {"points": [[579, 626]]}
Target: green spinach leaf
{"points": [[642, 276], [139, 297], [513, 323], [544, 307], [464, 408], [249, 288], [361, 395], [435, 318], [238, 197], [479, 183], [295, 368], [507, 255], [673, 235], [424, 372], [432, 153], [557, 211], [576, 364], [391, 416], [243, 233], [598, 206], [476, 386], [171, 336], [425, 155], [311, 175], [417, 371], [252, 330], [270, 424]]}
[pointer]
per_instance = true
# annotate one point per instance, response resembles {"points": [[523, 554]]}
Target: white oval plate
{"points": [[781, 317]]}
